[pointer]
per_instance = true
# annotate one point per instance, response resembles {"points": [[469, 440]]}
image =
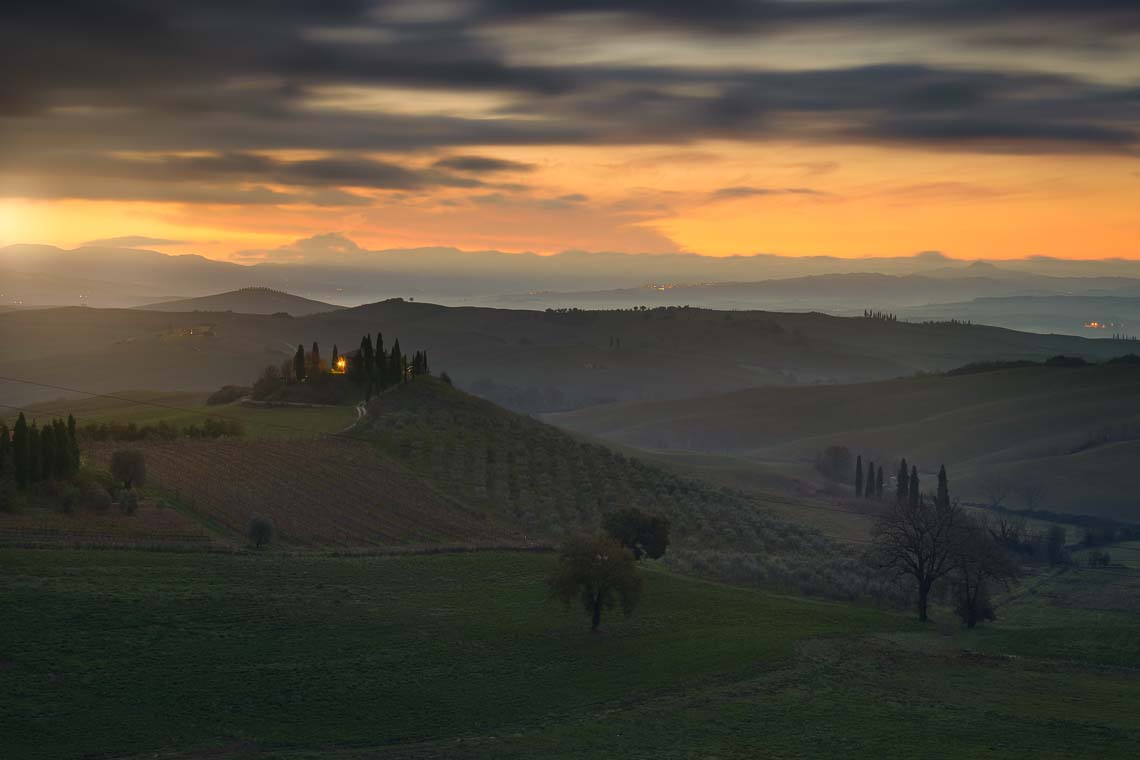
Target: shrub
{"points": [[128, 466], [228, 394], [68, 497], [260, 531], [1099, 558], [128, 500], [96, 497], [835, 462], [445, 378], [269, 382]]}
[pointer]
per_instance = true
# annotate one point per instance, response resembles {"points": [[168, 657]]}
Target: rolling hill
{"points": [[430, 466], [526, 360], [253, 300], [845, 293], [1069, 430]]}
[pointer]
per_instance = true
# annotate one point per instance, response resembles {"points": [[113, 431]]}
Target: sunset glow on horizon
{"points": [[787, 128]]}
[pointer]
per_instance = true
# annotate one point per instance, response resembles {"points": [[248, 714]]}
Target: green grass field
{"points": [[185, 408], [144, 654]]}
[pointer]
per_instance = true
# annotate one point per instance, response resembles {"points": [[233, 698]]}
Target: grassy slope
{"points": [[1022, 424], [189, 408], [463, 656]]}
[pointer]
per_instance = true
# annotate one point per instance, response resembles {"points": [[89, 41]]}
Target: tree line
{"points": [[32, 454], [371, 367]]}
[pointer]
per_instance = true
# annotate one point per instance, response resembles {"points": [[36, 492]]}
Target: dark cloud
{"points": [[234, 79], [482, 164], [744, 191]]}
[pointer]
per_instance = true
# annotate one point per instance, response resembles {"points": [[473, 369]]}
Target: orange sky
{"points": [[863, 201], [786, 127]]}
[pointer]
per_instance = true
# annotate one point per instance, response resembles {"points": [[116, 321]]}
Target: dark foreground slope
{"points": [[529, 361], [1069, 430], [263, 655]]}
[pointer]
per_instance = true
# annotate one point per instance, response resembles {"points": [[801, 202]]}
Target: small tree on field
{"points": [[600, 572], [918, 540], [834, 462], [260, 531], [859, 476], [644, 534], [128, 466], [879, 484], [980, 563]]}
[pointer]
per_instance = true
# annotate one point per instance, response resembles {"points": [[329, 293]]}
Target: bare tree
{"points": [[996, 489], [1008, 530], [918, 539], [980, 562]]}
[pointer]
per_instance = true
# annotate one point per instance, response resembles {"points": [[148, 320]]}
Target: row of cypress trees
{"points": [[870, 487], [31, 454], [372, 367], [375, 369], [907, 484]]}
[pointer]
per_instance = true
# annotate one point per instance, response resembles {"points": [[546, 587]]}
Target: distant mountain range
{"points": [[247, 301], [342, 273]]}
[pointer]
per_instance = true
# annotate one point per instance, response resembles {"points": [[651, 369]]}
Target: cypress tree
{"points": [[5, 452], [381, 361], [859, 476], [943, 488], [869, 488], [62, 462], [316, 358], [34, 453], [73, 443], [299, 364], [879, 484], [902, 490], [424, 361], [366, 351], [396, 363], [20, 454], [47, 453], [913, 486]]}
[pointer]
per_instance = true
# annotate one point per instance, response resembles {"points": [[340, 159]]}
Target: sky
{"points": [[979, 128]]}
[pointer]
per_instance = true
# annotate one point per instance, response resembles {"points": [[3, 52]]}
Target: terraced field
{"points": [[151, 526], [318, 492]]}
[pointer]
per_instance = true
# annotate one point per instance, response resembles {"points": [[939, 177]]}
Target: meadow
{"points": [[183, 409], [295, 656]]}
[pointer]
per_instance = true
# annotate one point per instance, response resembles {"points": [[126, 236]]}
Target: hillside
{"points": [[1068, 429], [526, 360], [843, 293], [1094, 316], [254, 300]]}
